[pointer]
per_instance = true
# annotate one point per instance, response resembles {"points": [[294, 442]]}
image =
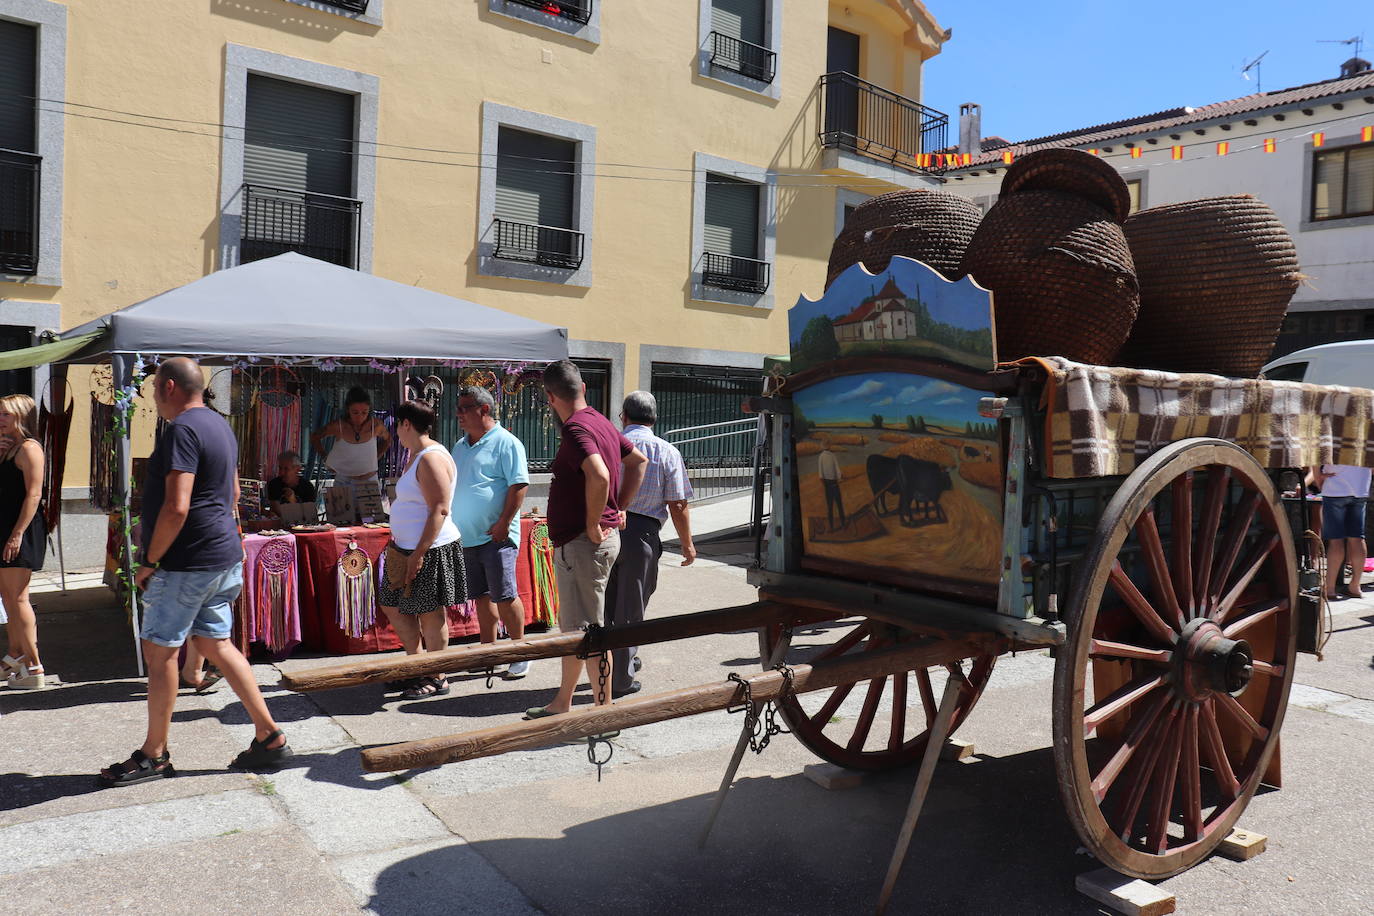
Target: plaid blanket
{"points": [[1102, 420]]}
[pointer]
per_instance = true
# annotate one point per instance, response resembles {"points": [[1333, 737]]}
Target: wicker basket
{"points": [[930, 226], [1061, 274], [1216, 276], [1074, 172]]}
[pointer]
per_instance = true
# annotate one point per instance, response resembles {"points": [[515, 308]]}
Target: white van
{"points": [[1349, 362]]}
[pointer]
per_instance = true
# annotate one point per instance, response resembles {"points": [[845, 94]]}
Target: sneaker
{"points": [[516, 671]]}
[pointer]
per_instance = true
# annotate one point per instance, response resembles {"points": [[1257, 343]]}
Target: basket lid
{"points": [[1071, 171]]}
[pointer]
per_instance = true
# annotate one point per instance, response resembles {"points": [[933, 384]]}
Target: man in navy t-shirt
{"points": [[596, 472], [191, 571]]}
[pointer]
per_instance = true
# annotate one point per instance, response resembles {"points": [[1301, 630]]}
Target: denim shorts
{"points": [[491, 570], [198, 602], [1342, 517]]}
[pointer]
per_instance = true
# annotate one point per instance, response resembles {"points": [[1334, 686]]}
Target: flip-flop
{"points": [[540, 712], [206, 685]]}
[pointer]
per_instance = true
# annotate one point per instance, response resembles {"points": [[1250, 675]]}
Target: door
{"points": [[842, 92]]}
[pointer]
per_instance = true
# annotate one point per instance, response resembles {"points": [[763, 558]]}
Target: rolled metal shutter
{"points": [[18, 86], [534, 178], [743, 19], [732, 217], [298, 138]]}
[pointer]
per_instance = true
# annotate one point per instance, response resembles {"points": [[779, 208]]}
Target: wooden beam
{"points": [[676, 704], [488, 655]]}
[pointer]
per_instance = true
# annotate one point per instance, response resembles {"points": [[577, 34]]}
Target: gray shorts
{"points": [[581, 570], [491, 570]]}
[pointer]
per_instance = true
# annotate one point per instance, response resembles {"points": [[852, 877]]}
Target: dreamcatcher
{"points": [[238, 408], [278, 416], [103, 456], [427, 390], [55, 423], [276, 616], [545, 588], [356, 609]]}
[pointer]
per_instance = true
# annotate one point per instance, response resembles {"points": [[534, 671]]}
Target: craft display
{"points": [[278, 417], [934, 227], [250, 498], [55, 426], [338, 504], [275, 604], [545, 588], [357, 597], [368, 506], [102, 454]]}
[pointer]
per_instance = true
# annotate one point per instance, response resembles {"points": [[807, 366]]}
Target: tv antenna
{"points": [[1357, 41], [1259, 77]]}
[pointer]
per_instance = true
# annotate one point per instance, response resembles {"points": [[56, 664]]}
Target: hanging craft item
{"points": [[432, 391], [396, 456], [279, 417], [276, 613], [56, 423], [238, 406], [357, 602], [545, 588], [102, 453]]}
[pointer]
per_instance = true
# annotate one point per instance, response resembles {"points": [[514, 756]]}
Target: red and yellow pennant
{"points": [[1270, 145], [1007, 157], [1176, 152], [1135, 152], [1318, 139], [1366, 134], [1223, 148]]}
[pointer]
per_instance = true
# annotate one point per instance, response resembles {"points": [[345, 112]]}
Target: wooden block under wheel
{"points": [[1125, 895]]}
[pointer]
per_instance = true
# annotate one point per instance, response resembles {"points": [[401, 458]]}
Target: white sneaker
{"points": [[516, 671]]}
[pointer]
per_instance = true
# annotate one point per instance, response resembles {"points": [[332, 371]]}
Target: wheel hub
{"points": [[1208, 662]]}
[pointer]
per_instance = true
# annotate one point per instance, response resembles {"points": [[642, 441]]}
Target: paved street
{"points": [[536, 832]]}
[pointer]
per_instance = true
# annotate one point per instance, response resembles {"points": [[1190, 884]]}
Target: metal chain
{"points": [[592, 757], [761, 729], [491, 678], [594, 644]]}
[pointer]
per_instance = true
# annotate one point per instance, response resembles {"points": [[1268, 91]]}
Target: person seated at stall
{"points": [[288, 487], [359, 440]]}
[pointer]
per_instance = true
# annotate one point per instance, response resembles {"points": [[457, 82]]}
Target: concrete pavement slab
{"points": [[442, 876]]}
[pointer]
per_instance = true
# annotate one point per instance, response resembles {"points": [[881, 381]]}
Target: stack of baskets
{"points": [[931, 226]]}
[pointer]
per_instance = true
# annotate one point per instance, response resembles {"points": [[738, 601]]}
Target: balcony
{"points": [[743, 275], [19, 174], [353, 6], [548, 246], [576, 10], [877, 123], [742, 57], [320, 226]]}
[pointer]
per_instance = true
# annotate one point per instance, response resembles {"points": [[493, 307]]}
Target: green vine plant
{"points": [[121, 426]]}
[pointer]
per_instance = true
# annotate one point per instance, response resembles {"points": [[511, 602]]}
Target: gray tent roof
{"points": [[292, 305]]}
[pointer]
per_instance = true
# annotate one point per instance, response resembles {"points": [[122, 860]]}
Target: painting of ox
{"points": [[900, 474]]}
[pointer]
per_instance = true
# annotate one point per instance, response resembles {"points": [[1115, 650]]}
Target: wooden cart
{"points": [[915, 520]]}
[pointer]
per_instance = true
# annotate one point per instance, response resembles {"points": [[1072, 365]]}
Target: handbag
{"points": [[396, 561]]}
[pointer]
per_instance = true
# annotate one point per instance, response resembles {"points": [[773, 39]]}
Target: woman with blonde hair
{"points": [[25, 536]]}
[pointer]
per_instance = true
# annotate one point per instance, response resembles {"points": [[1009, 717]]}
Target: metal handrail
{"points": [[531, 243], [721, 271], [576, 10], [277, 220], [692, 429], [868, 119], [731, 53], [250, 188]]}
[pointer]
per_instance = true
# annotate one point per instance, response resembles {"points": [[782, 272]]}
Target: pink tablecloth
{"points": [[270, 607]]}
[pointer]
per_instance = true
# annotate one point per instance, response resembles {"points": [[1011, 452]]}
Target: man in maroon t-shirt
{"points": [[595, 473]]}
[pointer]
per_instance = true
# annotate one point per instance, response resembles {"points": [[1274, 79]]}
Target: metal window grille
{"points": [[743, 57], [745, 275], [355, 6], [19, 182], [576, 10], [320, 226], [875, 122], [546, 245], [699, 411]]}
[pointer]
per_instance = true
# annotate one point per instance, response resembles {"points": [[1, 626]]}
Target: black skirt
{"points": [[32, 546], [440, 583]]}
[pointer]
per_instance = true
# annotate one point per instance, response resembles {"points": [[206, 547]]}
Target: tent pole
{"points": [[122, 371], [57, 386]]}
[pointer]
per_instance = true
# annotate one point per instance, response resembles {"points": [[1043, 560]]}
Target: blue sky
{"points": [[1041, 68], [892, 394]]}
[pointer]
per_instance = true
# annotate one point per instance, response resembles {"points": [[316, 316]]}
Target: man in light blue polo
{"points": [[491, 484]]}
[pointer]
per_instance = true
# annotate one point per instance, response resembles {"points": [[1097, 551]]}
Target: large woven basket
{"points": [[1061, 274], [930, 226], [1216, 276], [1074, 172]]}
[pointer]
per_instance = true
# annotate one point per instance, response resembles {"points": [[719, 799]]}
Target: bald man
{"points": [[190, 572]]}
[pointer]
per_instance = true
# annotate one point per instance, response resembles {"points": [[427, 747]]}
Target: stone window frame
{"points": [[767, 179], [773, 90]]}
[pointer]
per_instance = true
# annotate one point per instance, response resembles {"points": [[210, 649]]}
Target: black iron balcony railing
{"points": [[19, 174], [576, 10], [725, 271], [320, 226], [548, 246], [876, 122], [745, 58], [355, 6]]}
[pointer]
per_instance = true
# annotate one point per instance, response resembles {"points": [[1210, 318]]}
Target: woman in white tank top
{"points": [[425, 540], [359, 439]]}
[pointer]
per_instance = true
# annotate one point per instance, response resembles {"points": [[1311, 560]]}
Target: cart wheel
{"points": [[872, 740], [1179, 659]]}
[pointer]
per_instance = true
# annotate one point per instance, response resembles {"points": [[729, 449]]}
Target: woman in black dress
{"points": [[25, 536]]}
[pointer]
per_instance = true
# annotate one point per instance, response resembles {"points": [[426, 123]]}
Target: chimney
{"points": [[970, 128], [1354, 67]]}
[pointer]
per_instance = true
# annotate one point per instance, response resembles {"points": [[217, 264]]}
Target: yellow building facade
{"points": [[142, 159]]}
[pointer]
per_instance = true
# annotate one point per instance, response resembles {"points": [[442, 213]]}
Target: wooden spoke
{"points": [[850, 640], [1162, 787], [1215, 751], [1218, 479], [1118, 700], [870, 708], [1182, 525], [1102, 648], [927, 693], [1240, 714], [956, 672], [1190, 771], [1152, 549], [1236, 627], [832, 703], [1268, 668], [1241, 520], [1139, 606], [898, 729], [1253, 564], [1140, 725], [1130, 802]]}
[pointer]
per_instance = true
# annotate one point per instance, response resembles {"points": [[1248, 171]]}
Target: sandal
{"points": [[28, 678], [11, 666], [207, 682], [261, 757], [424, 688], [138, 768]]}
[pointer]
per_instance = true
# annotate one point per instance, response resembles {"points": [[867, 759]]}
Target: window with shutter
{"points": [[19, 164], [18, 86], [535, 214], [732, 216], [739, 38], [742, 19]]}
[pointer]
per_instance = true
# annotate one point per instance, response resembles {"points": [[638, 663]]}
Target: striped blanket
{"points": [[1103, 420]]}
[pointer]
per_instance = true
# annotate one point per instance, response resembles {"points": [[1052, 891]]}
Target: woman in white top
{"points": [[423, 532], [359, 439]]}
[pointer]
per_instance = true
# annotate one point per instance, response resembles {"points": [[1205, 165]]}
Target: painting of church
{"points": [[886, 315]]}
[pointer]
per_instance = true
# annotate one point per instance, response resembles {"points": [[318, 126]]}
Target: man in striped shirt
{"points": [[663, 493]]}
